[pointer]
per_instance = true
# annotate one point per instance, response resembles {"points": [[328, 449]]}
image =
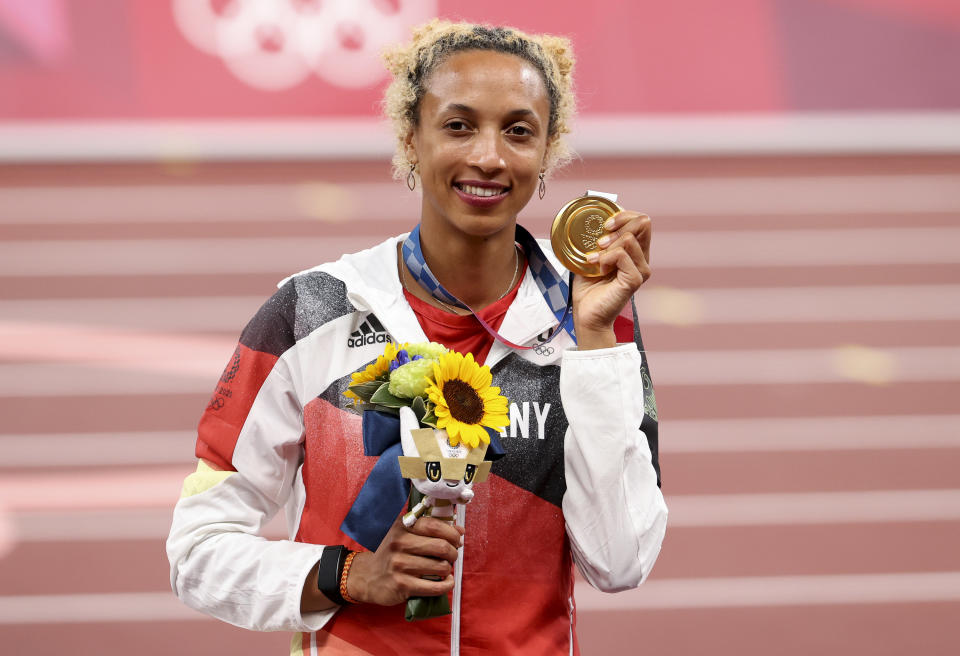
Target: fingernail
{"points": [[593, 257], [461, 540], [609, 223], [603, 241]]}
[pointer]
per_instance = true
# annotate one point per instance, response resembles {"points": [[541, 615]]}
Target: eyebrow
{"points": [[459, 107]]}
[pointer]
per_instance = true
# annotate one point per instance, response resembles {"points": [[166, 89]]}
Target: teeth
{"points": [[480, 191]]}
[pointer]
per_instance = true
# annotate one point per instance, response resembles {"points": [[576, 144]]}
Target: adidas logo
{"points": [[370, 331]]}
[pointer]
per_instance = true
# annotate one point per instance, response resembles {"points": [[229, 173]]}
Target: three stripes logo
{"points": [[370, 331]]}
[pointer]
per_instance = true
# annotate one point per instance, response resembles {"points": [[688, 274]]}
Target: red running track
{"points": [[814, 493]]}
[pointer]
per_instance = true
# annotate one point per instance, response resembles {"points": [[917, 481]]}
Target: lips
{"points": [[480, 193], [486, 192]]}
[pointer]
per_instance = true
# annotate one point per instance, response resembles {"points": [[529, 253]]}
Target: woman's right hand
{"points": [[394, 572]]}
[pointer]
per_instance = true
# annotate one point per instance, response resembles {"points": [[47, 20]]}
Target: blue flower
{"points": [[403, 358]]}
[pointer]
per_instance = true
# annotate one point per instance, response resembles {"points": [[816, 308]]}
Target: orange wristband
{"points": [[343, 579]]}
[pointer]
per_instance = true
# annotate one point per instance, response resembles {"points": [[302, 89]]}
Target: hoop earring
{"points": [[411, 178], [542, 189]]}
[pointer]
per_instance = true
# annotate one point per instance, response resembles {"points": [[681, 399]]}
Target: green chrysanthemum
{"points": [[429, 350], [410, 380]]}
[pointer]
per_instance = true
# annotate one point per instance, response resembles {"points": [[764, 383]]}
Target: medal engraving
{"points": [[576, 229], [592, 231]]}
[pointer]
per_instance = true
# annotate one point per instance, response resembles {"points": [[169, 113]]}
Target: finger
{"points": [[423, 546], [431, 527], [414, 586], [634, 249], [423, 566], [620, 220], [619, 261], [628, 222], [627, 241]]}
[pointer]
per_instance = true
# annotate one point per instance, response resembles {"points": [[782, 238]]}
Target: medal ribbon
{"points": [[556, 291]]}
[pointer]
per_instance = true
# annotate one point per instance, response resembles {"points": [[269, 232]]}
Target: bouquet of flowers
{"points": [[426, 384], [445, 389]]}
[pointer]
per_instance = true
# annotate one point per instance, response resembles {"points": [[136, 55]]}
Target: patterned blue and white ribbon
{"points": [[555, 290]]}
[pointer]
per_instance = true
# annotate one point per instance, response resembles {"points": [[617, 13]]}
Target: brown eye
{"points": [[470, 473], [433, 471]]}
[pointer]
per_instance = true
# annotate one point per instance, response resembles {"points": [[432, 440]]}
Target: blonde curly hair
{"points": [[412, 64]]}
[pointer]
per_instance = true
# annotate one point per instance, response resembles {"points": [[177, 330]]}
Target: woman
{"points": [[480, 115]]}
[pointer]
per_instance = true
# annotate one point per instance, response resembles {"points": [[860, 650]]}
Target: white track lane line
{"points": [[806, 248], [97, 449], [106, 608], [751, 305], [113, 348], [655, 304], [226, 314], [705, 248], [806, 366], [313, 201], [114, 489], [150, 524], [793, 508], [369, 138], [147, 374], [99, 508], [677, 436], [655, 594], [818, 590], [174, 256], [769, 196], [810, 434]]}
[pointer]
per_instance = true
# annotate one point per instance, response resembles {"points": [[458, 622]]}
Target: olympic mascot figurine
{"points": [[442, 473]]}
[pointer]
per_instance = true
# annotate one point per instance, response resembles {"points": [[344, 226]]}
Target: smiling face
{"points": [[480, 142]]}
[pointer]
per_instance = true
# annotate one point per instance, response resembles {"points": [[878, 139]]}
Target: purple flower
{"points": [[403, 358]]}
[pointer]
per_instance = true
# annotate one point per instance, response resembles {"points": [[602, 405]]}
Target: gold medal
{"points": [[575, 231]]}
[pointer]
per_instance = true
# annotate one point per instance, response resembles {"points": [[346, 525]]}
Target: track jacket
{"points": [[578, 482]]}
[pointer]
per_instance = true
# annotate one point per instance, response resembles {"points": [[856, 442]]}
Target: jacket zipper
{"points": [[457, 586]]}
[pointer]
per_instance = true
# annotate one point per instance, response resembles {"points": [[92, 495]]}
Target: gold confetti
{"points": [[674, 306], [324, 201], [865, 364]]}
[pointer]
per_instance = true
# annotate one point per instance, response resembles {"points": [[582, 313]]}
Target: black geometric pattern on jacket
{"points": [[531, 463], [302, 304]]}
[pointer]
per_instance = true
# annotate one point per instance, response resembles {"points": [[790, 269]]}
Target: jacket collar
{"points": [[373, 285]]}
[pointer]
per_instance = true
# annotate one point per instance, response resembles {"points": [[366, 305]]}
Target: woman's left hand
{"points": [[624, 257]]}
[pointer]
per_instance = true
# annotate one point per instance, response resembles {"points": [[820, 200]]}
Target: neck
{"points": [[477, 270]]}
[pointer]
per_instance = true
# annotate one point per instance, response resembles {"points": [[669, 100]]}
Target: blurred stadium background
{"points": [[163, 164]]}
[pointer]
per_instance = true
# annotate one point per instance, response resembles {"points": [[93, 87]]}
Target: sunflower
{"points": [[374, 370], [465, 402]]}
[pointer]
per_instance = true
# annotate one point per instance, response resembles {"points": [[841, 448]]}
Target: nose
{"points": [[485, 153]]}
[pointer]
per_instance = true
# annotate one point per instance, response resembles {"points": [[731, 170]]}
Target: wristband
{"points": [[329, 572], [343, 579]]}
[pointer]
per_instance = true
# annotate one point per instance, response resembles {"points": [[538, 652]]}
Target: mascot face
{"points": [[439, 470]]}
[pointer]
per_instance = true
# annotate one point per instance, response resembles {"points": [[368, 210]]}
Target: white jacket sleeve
{"points": [[219, 564], [615, 513]]}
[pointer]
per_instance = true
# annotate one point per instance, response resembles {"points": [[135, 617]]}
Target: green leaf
{"points": [[383, 397], [423, 608], [419, 408], [429, 419], [365, 390]]}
